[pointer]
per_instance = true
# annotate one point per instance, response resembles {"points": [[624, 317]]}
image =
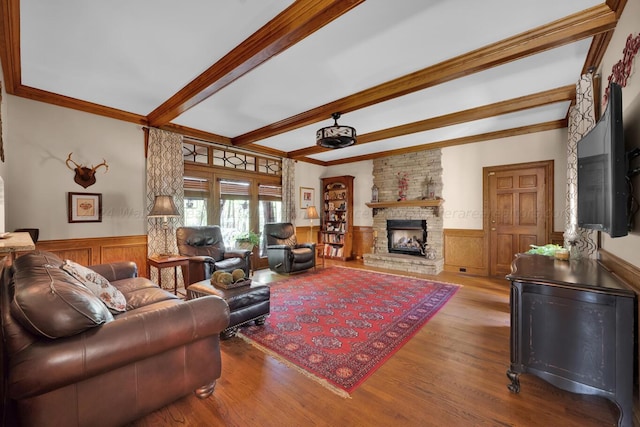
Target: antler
{"points": [[69, 160], [104, 163]]}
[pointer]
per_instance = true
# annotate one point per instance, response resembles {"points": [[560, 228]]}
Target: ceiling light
{"points": [[336, 136]]}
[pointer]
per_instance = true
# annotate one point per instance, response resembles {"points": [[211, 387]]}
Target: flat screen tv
{"points": [[603, 191]]}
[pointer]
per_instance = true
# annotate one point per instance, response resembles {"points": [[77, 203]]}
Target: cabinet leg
{"points": [[514, 387]]}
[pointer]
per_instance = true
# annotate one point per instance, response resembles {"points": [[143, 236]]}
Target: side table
{"points": [[165, 261], [320, 252]]}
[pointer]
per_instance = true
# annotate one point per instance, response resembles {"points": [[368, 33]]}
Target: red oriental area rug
{"points": [[338, 325]]}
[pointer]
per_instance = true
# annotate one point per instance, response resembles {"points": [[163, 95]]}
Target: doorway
{"points": [[518, 208]]}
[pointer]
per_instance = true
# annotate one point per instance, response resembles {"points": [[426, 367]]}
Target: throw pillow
{"points": [[108, 294]]}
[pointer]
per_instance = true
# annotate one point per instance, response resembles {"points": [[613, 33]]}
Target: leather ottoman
{"points": [[246, 303]]}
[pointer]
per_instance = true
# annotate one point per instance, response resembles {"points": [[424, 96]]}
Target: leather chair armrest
{"points": [[201, 259], [116, 270], [129, 338], [237, 253], [311, 246], [283, 247]]}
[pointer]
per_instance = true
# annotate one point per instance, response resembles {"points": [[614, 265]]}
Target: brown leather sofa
{"points": [[69, 362], [207, 252]]}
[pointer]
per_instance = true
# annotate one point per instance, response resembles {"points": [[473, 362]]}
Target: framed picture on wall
{"points": [[84, 207], [307, 196]]}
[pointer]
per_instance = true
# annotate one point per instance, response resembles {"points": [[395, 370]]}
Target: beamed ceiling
{"points": [[264, 75]]}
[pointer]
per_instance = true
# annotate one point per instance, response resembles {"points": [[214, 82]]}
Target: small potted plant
{"points": [[247, 240]]}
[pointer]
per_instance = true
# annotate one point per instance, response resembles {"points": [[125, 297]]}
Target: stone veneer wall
{"points": [[420, 167]]}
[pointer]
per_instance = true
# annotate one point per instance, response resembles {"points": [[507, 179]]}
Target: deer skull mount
{"points": [[85, 176]]}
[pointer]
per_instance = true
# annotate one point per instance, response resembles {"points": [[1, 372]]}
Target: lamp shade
{"points": [[336, 136], [312, 212], [164, 206]]}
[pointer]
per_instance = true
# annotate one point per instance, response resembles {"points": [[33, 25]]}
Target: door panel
{"points": [[504, 248], [504, 209], [527, 213], [518, 202]]}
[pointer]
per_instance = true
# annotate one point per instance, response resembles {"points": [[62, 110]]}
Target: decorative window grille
{"points": [[199, 153]]}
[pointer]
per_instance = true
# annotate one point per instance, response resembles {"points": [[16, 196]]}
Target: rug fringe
{"points": [[307, 374]]}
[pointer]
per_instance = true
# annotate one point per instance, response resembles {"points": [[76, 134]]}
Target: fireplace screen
{"points": [[407, 236]]}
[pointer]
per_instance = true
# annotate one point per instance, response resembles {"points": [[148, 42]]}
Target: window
{"points": [[240, 191], [270, 197], [234, 208], [196, 195]]}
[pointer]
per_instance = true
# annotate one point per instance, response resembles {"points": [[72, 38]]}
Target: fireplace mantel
{"points": [[427, 203]]}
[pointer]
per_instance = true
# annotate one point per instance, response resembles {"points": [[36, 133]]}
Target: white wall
{"points": [[307, 176], [39, 138], [462, 173], [462, 176], [629, 23]]}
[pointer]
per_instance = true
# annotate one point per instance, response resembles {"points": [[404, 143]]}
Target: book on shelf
{"points": [[333, 238], [333, 251]]}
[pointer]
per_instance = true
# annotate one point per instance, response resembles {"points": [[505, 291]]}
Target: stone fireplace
{"points": [[424, 175]]}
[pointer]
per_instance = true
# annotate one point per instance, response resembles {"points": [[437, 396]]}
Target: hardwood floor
{"points": [[452, 373]]}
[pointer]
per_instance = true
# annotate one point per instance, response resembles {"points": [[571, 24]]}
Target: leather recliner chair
{"points": [[207, 252], [284, 253]]}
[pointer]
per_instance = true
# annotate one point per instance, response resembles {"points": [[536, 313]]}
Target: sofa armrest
{"points": [[129, 338], [116, 270], [237, 253]]}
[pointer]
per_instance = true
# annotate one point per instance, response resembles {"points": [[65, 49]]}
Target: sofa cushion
{"points": [[108, 294], [49, 302]]}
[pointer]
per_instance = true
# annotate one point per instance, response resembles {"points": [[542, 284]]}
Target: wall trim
{"points": [[627, 272]]}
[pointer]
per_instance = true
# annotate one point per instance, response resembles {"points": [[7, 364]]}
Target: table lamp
{"points": [[164, 207], [312, 213]]}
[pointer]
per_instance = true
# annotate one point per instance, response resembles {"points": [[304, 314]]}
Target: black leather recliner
{"points": [[284, 253], [207, 252]]}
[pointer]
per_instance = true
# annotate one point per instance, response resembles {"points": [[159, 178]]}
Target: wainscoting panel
{"points": [[362, 241], [100, 250], [465, 251]]}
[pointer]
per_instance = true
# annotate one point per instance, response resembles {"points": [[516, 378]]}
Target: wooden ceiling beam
{"points": [[506, 133], [77, 104], [295, 23], [10, 44], [203, 136], [196, 134], [564, 93], [575, 27]]}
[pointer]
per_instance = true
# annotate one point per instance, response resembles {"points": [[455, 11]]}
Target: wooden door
{"points": [[519, 202]]}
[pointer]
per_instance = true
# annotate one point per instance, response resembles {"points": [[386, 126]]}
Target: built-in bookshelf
{"points": [[337, 217]]}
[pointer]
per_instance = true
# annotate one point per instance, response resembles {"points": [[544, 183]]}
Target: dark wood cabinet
{"points": [[572, 324], [337, 217]]}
